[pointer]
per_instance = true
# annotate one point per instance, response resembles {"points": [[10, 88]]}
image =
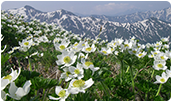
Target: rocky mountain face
{"points": [[164, 14], [146, 30]]}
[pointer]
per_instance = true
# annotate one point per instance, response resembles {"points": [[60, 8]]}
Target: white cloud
{"points": [[115, 7]]}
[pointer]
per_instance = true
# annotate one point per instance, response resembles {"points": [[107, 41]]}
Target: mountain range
{"points": [[147, 27], [164, 14]]}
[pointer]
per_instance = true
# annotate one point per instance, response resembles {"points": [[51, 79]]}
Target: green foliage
{"points": [[41, 82], [4, 59], [122, 75]]}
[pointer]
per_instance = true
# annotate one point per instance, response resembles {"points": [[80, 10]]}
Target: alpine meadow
{"points": [[44, 59]]}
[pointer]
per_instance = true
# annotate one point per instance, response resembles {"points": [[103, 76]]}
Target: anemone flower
{"points": [[18, 92], [5, 80]]}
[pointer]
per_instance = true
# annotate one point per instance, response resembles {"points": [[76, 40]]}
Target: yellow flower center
{"points": [[155, 53], [79, 83], [8, 77], [67, 73], [160, 65], [82, 56], [62, 93], [162, 80], [114, 43], [15, 48], [140, 54], [76, 71], [76, 44], [62, 47], [88, 63], [104, 52], [83, 44], [56, 41], [88, 49], [134, 51], [162, 57], [126, 45], [26, 43], [67, 59]]}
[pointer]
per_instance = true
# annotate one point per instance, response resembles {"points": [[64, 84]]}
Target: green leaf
{"points": [[41, 82]]}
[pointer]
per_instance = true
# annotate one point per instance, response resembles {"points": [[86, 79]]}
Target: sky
{"points": [[89, 7]]}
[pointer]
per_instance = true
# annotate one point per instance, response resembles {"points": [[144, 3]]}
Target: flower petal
{"points": [[53, 98], [73, 90], [4, 83], [20, 92], [26, 86], [88, 83], [3, 95]]}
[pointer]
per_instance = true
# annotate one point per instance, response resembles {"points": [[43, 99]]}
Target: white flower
{"points": [[67, 58], [158, 44], [61, 47], [161, 56], [86, 64], [30, 36], [153, 54], [168, 54], [141, 54], [56, 40], [77, 46], [159, 65], [80, 85], [162, 79], [66, 74], [5, 80], [126, 45], [62, 93], [164, 39], [3, 95], [4, 49], [168, 72], [82, 56], [35, 53], [165, 46], [116, 42], [105, 51], [40, 54], [88, 49], [15, 48], [18, 93], [94, 69], [25, 44], [1, 37], [43, 39], [78, 71]]}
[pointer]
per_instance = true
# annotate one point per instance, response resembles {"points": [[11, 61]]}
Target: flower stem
{"points": [[159, 90], [30, 67], [132, 79], [105, 89], [127, 69], [122, 71], [152, 74]]}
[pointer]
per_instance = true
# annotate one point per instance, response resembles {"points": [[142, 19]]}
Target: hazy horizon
{"points": [[88, 7]]}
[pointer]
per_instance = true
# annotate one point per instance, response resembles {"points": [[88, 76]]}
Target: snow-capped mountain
{"points": [[147, 30], [164, 14]]}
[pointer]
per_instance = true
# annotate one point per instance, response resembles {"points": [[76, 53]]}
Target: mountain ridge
{"points": [[147, 30], [164, 14]]}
